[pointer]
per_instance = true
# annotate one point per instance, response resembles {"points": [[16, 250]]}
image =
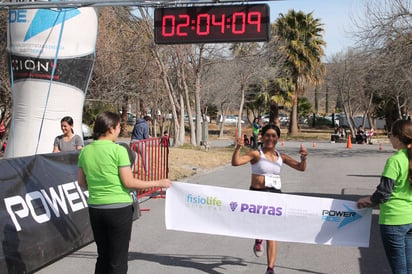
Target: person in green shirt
{"points": [[255, 133], [104, 170], [394, 196]]}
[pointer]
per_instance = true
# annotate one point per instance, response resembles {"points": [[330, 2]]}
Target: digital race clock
{"points": [[212, 24]]}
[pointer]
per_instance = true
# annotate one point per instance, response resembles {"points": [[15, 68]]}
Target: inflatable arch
{"points": [[52, 54]]}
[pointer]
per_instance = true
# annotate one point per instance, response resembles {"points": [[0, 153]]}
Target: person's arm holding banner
{"points": [[130, 182], [394, 197]]}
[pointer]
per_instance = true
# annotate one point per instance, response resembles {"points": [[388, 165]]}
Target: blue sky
{"points": [[334, 14]]}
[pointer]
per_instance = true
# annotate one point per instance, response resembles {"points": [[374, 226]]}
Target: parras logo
{"points": [[344, 217], [44, 19]]}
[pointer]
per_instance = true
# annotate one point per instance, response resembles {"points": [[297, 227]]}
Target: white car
{"points": [[329, 117], [283, 118], [87, 132], [194, 118], [230, 119]]}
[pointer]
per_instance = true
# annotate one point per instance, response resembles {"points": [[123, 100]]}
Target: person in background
{"points": [[110, 203], [2, 127], [246, 140], [141, 132], [342, 132], [141, 129], [335, 136], [266, 165], [2, 132], [68, 141], [368, 134], [360, 137], [164, 141], [255, 131], [394, 197], [3, 148]]}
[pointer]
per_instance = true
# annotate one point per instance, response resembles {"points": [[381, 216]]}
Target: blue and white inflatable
{"points": [[52, 53]]}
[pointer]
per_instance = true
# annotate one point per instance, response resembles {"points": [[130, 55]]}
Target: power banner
{"points": [[262, 215], [52, 54], [43, 211]]}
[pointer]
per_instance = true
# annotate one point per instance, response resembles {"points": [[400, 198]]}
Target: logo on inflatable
{"points": [[39, 25]]}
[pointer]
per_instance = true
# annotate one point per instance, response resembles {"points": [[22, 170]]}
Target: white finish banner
{"points": [[263, 215]]}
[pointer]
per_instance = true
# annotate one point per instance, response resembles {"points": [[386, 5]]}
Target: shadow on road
{"points": [[373, 258], [207, 263]]}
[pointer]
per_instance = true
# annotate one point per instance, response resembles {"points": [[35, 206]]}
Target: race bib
{"points": [[273, 181]]}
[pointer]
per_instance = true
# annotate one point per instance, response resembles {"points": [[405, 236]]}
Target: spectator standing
{"points": [[2, 129], [165, 139], [335, 136], [246, 140], [141, 132], [255, 133], [360, 136], [68, 141], [394, 197], [110, 203], [2, 132], [141, 129]]}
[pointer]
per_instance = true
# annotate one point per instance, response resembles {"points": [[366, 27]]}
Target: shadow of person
{"points": [[206, 263], [338, 221], [372, 259], [12, 258]]}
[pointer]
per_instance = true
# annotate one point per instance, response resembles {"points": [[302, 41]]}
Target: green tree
{"points": [[304, 107], [300, 36]]}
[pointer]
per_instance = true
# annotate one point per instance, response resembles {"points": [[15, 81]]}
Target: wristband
{"points": [[302, 158]]}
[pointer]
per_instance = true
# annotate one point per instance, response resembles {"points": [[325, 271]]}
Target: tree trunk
{"points": [[242, 101], [293, 124], [123, 120]]}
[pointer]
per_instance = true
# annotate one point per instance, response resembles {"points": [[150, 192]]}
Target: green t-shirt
{"points": [[398, 209], [100, 162], [255, 128]]}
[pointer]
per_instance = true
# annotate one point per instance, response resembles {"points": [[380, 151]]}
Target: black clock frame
{"points": [[212, 24]]}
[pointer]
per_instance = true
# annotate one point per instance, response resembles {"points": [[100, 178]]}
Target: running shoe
{"points": [[258, 248], [270, 271]]}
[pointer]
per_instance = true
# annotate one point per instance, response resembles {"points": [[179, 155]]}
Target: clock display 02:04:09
{"points": [[235, 23], [212, 24]]}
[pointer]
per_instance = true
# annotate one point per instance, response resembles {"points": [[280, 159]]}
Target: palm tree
{"points": [[300, 36]]}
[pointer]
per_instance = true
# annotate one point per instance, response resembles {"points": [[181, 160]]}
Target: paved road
{"points": [[333, 171]]}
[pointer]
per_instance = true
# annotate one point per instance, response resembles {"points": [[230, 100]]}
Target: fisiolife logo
{"points": [[200, 201], [343, 217], [257, 209]]}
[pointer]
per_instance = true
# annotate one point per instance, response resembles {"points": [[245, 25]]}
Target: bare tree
{"points": [[5, 89], [385, 32], [346, 75]]}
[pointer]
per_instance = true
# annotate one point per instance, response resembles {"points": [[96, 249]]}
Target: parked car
{"points": [[336, 116], [265, 118], [194, 118], [131, 118], [87, 132], [283, 119], [230, 119]]}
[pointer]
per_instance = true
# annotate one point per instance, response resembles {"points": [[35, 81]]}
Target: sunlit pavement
{"points": [[333, 171]]}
